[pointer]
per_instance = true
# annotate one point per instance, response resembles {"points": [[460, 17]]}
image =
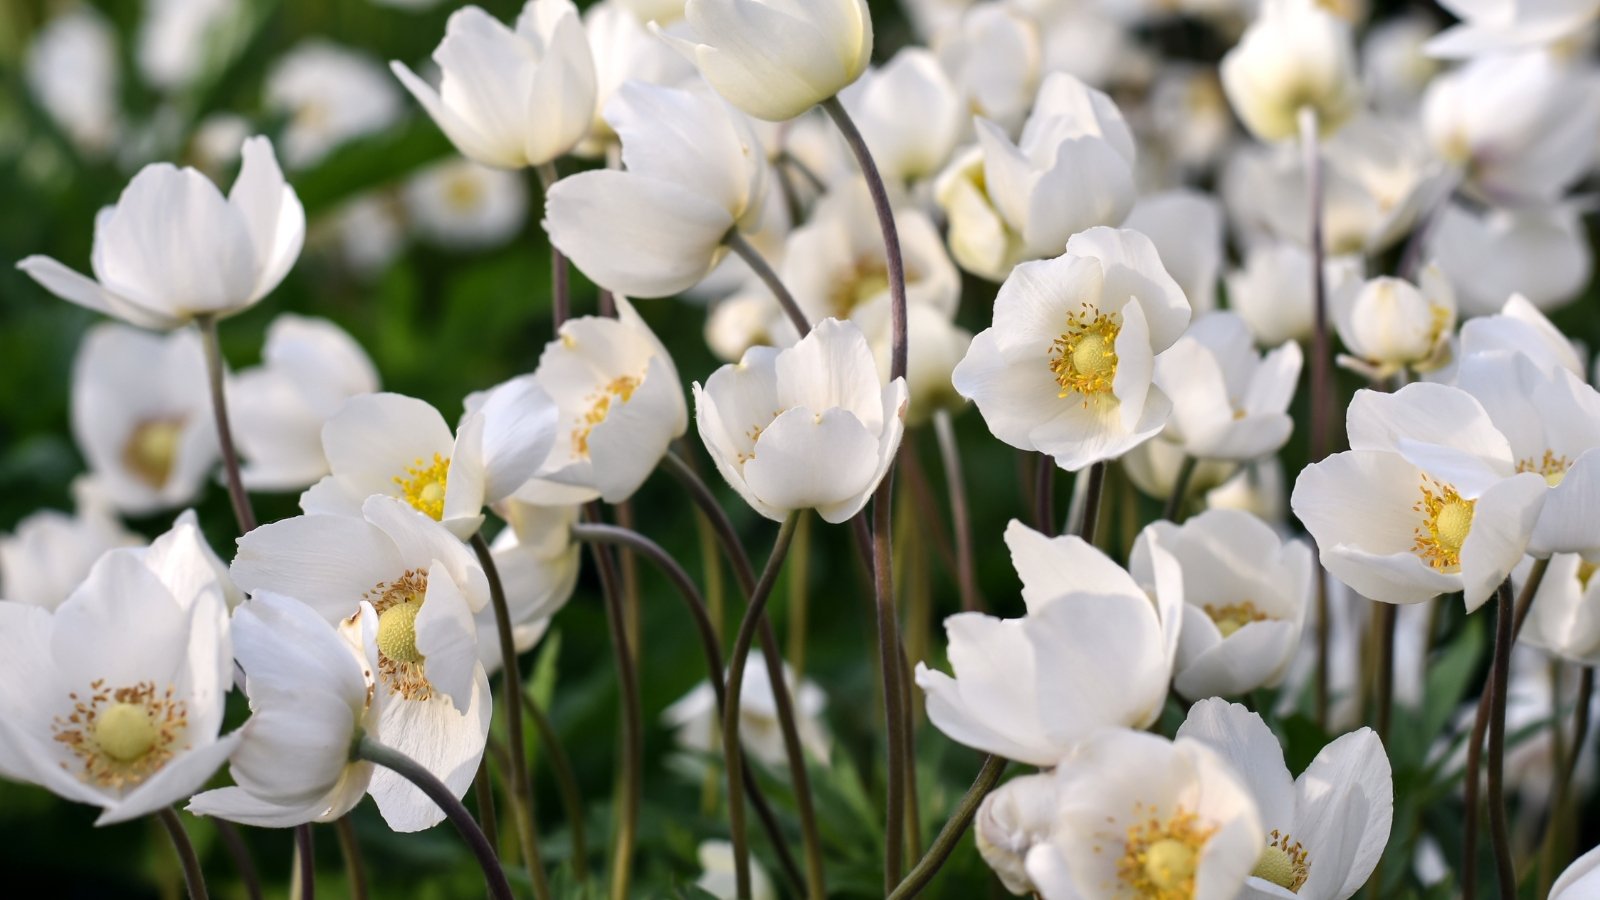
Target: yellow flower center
{"points": [[397, 631], [1586, 571], [1084, 357], [1552, 467], [1234, 616], [397, 604], [423, 486], [152, 450], [122, 736], [1160, 857], [1447, 519], [620, 389], [866, 280], [463, 191], [1283, 863]]}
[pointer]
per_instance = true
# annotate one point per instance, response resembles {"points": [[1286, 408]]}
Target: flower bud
{"points": [[1295, 55], [1389, 324]]}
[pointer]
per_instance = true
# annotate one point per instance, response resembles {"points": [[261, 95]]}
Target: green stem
{"points": [[355, 868], [1383, 689], [955, 484], [237, 495], [1180, 489], [560, 280], [1321, 371], [566, 784], [1499, 834], [889, 664], [627, 827], [799, 589], [193, 877], [483, 790], [950, 835]]}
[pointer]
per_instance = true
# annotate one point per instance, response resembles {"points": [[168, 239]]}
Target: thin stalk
{"points": [[305, 851], [233, 841], [566, 784], [627, 566], [483, 789], [1180, 489], [354, 867], [1555, 850], [560, 280], [1499, 834], [955, 483], [521, 790], [764, 271], [193, 876], [1044, 496], [734, 685], [1090, 517], [799, 593], [242, 510], [627, 827], [1321, 371], [372, 751], [950, 835], [889, 670], [925, 507], [1383, 689]]}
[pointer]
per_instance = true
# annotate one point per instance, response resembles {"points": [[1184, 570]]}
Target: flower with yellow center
{"points": [[1283, 863], [1447, 519], [423, 486], [152, 450], [1160, 855], [620, 390], [1084, 358]]}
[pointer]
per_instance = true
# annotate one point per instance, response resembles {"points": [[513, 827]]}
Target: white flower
{"points": [[624, 50], [1390, 325], [1012, 819], [330, 95], [1295, 55], [424, 586], [1394, 68], [311, 697], [1541, 253], [1328, 827], [401, 447], [511, 98], [1071, 170], [1564, 618], [1272, 293], [994, 55], [1520, 328], [1186, 227], [1188, 122], [910, 114], [1580, 880], [719, 878], [141, 415], [72, 70], [694, 172], [1427, 501], [1141, 816], [172, 34], [538, 562], [50, 553], [1256, 489], [1093, 651], [775, 59], [619, 407], [309, 368], [173, 247], [698, 725], [1497, 26], [116, 698], [464, 206], [1153, 468], [809, 427], [1067, 367], [366, 234], [934, 347], [1245, 593], [1228, 402]]}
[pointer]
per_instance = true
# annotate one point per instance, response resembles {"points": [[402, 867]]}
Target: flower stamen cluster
{"points": [[1284, 863], [122, 735], [1160, 858], [423, 486], [1084, 357], [621, 388], [1234, 616], [1448, 520], [400, 663], [1552, 467], [152, 450]]}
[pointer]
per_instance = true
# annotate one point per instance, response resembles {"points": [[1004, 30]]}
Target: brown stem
{"points": [[193, 876], [560, 269], [955, 484], [240, 499], [1499, 834], [627, 826]]}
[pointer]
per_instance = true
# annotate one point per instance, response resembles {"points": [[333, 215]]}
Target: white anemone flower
{"points": [[1272, 292], [1427, 501], [1228, 401], [461, 205], [309, 368], [1497, 26], [1295, 55], [698, 725], [1068, 366], [511, 97], [1186, 227], [1540, 252], [808, 427], [910, 114], [49, 553], [1094, 651], [424, 587], [1012, 819], [173, 248], [311, 698], [994, 54], [1141, 816], [330, 96], [141, 415], [1519, 327], [1565, 617], [538, 563], [116, 698], [171, 32], [624, 50], [401, 447], [1327, 828], [73, 73], [1390, 325]]}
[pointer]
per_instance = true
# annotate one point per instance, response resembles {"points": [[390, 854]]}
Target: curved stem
{"points": [[413, 771], [242, 510], [1180, 489], [305, 852], [355, 868], [1499, 834], [955, 483], [950, 835], [627, 828], [193, 877], [889, 663], [566, 784], [1321, 372], [521, 789], [763, 269], [233, 841], [561, 289], [1090, 517], [731, 750]]}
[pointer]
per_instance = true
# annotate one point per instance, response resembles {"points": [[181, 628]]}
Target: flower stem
{"points": [[355, 868], [483, 790], [627, 828], [242, 511], [955, 483], [1499, 835], [374, 752], [560, 286], [798, 589], [1383, 688], [889, 661], [950, 835], [305, 852], [1044, 496], [193, 877], [521, 790], [1321, 368], [566, 784], [233, 841], [1090, 516], [1180, 490], [763, 269]]}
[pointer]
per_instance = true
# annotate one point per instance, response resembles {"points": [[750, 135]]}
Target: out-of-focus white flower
{"points": [[511, 98], [366, 233], [620, 405], [1228, 402], [1580, 880], [775, 59], [398, 446], [538, 564], [330, 95], [1497, 26], [1186, 227], [934, 347], [993, 54], [694, 172], [697, 723], [1565, 617], [1541, 253], [1153, 468], [1390, 325], [175, 35], [173, 248], [141, 415], [1245, 594], [1272, 293], [1257, 489], [1089, 41], [1093, 652], [910, 114], [1427, 501], [399, 581], [1328, 827], [1141, 816], [1067, 368], [1013, 819], [1520, 127], [50, 553], [719, 878], [217, 141], [311, 693], [808, 427], [1520, 328], [749, 317], [1295, 55], [1185, 126], [1394, 69], [309, 368], [1071, 170], [72, 70], [624, 50], [465, 206]]}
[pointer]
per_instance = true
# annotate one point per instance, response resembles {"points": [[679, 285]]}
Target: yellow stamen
{"points": [[621, 389], [423, 486], [152, 450], [397, 631], [1446, 523], [1234, 616], [1552, 467], [1284, 863], [1084, 357], [867, 279], [397, 603], [1160, 857], [122, 736]]}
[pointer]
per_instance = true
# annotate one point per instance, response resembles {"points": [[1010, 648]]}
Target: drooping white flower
{"points": [[1295, 55], [141, 415], [993, 53], [1389, 325], [698, 725], [464, 206], [538, 563], [1245, 593], [808, 427], [309, 368], [1520, 328], [1497, 26], [366, 234], [1153, 467], [624, 50], [1327, 828], [173, 248], [424, 586], [1094, 651], [311, 696], [1228, 401], [1013, 819], [719, 878], [910, 114], [1394, 69], [72, 71], [1541, 253], [1563, 620], [775, 59], [49, 553], [330, 95], [1067, 367], [511, 97]]}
